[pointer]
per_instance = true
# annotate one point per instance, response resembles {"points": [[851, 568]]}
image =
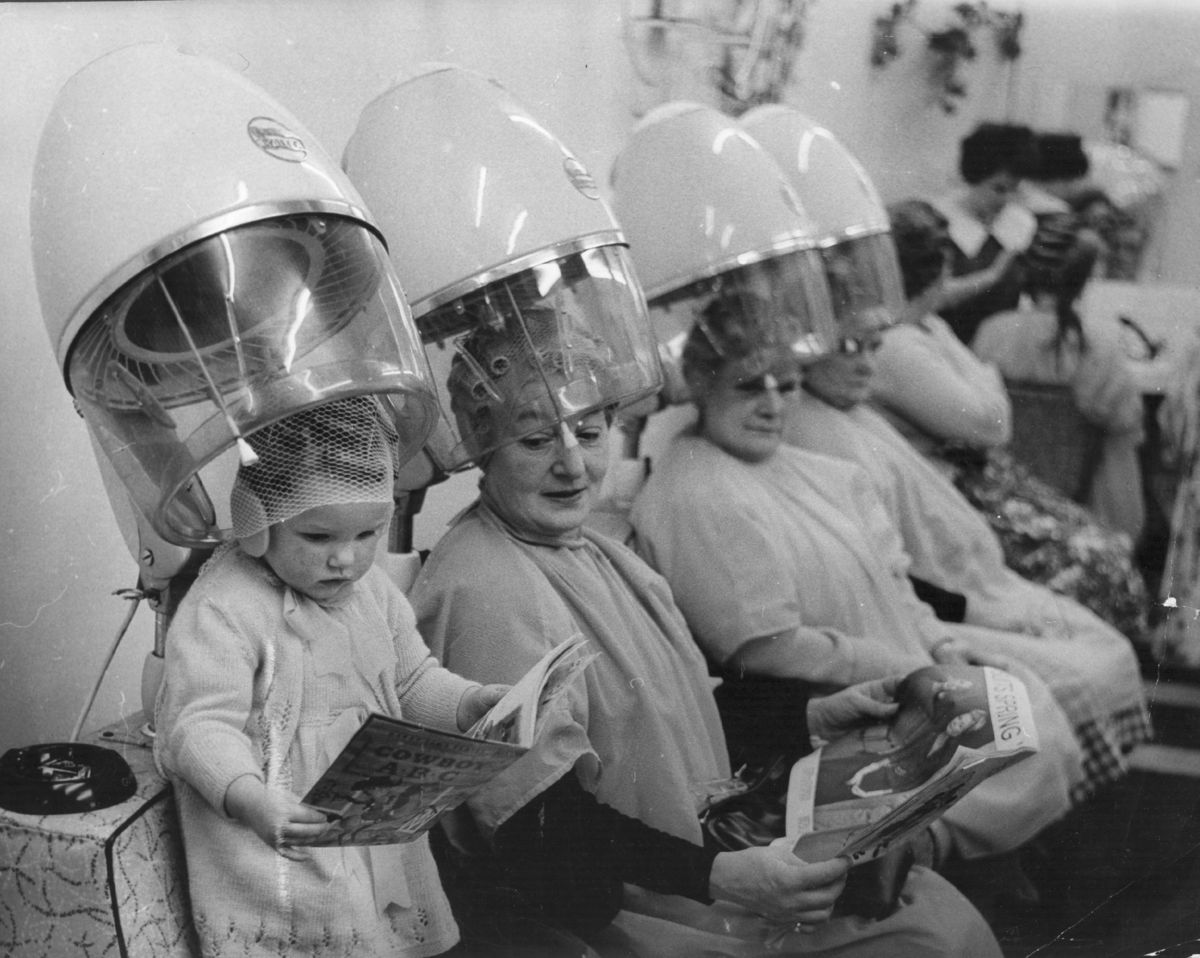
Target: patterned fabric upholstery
{"points": [[1052, 438], [105, 884]]}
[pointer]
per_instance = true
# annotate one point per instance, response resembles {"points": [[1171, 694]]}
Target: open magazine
{"points": [[860, 795], [395, 778]]}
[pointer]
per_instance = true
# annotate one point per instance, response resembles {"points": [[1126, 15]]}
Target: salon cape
{"points": [[643, 730], [644, 733], [1088, 664], [947, 540], [799, 543], [759, 549]]}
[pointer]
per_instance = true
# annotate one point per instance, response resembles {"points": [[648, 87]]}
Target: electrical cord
{"points": [[134, 596]]}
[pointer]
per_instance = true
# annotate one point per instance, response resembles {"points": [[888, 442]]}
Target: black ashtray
{"points": [[63, 778]]}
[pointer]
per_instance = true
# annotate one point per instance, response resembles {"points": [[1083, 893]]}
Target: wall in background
{"points": [[63, 556]]}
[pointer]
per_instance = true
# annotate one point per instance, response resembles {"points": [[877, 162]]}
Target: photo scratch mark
{"points": [[41, 608], [59, 486]]}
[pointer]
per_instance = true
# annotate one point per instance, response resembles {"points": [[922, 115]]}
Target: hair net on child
{"points": [[343, 451]]}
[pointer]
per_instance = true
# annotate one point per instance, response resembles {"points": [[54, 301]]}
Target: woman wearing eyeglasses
{"points": [[786, 566], [959, 565]]}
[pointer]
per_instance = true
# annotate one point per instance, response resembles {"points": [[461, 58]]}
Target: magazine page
{"points": [[863, 793], [394, 779], [514, 718]]}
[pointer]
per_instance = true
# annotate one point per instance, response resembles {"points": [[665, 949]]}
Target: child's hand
{"points": [[274, 814], [475, 703]]}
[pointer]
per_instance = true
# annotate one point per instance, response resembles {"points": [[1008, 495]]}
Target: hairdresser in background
{"points": [[988, 225]]}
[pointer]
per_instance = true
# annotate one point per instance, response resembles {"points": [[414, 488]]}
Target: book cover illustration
{"points": [[860, 795], [394, 779]]}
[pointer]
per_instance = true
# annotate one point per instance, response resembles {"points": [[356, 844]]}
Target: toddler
{"points": [[289, 637]]}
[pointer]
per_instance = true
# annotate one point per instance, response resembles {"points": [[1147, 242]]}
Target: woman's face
{"points": [[843, 377], [988, 197], [547, 482], [744, 415], [966, 722]]}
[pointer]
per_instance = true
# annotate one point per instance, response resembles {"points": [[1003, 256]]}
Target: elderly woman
{"points": [[1088, 665], [953, 407], [597, 829], [785, 564]]}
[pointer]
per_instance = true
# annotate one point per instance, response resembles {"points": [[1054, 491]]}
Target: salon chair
{"points": [[1052, 438]]}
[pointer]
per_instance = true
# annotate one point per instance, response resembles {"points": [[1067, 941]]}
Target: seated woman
{"points": [[785, 564], [1088, 665], [597, 829], [938, 394], [1044, 341]]}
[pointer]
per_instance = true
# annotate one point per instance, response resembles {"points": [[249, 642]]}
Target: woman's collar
{"points": [[1012, 227]]}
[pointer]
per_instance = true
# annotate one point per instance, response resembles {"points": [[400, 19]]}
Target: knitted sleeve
{"points": [[428, 693], [206, 701]]}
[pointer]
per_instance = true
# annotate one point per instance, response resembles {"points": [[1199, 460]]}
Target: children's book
{"points": [[394, 779], [865, 792]]}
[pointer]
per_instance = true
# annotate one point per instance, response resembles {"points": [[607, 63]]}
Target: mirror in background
{"points": [[1134, 139]]}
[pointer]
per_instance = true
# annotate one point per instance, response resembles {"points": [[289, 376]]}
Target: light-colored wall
{"points": [[63, 556]]}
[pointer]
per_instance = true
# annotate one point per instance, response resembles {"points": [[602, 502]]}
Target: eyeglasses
{"points": [[760, 384], [855, 345]]}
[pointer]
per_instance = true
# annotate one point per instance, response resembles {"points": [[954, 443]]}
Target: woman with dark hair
{"points": [[987, 226], [1045, 341], [1060, 173], [953, 407]]}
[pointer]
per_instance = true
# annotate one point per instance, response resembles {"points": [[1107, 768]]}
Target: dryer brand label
{"points": [[580, 178], [274, 138]]}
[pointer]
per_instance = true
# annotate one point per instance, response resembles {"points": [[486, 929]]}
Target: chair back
{"points": [[1052, 438]]}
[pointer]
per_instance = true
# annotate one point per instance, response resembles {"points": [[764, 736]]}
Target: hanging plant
{"points": [[948, 50], [1007, 29], [950, 47], [885, 47]]}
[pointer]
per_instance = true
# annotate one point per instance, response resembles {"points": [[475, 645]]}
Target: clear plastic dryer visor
{"points": [[864, 283], [788, 293], [544, 346], [229, 334]]}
